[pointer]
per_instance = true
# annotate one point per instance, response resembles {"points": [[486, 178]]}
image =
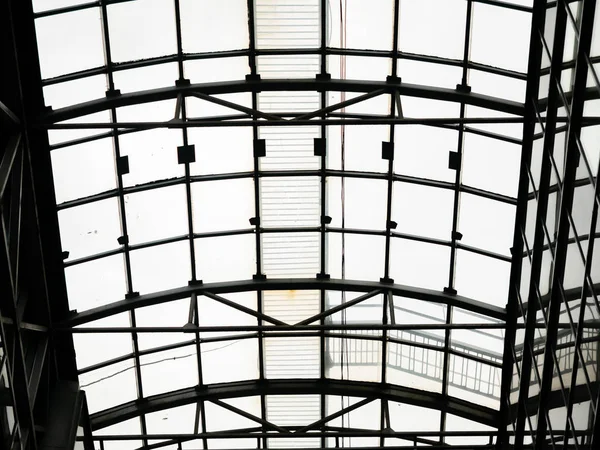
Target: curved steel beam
{"points": [[382, 391], [155, 298], [154, 95]]}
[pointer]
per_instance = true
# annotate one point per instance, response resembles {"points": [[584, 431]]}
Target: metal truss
{"points": [[137, 301], [543, 379], [117, 100], [298, 386]]}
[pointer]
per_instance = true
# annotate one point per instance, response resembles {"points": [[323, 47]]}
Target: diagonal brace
{"points": [[338, 308], [243, 309], [352, 101], [219, 101], [252, 417], [333, 416]]}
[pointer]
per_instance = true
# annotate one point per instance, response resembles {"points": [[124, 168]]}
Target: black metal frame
{"points": [[49, 331]]}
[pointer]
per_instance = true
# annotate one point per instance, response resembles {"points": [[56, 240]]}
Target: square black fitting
{"points": [[387, 150], [457, 235], [123, 165], [186, 154], [320, 146], [123, 240], [449, 291], [393, 79], [392, 225], [113, 93], [182, 82], [464, 88], [323, 276], [386, 280], [130, 295], [260, 148], [325, 220], [259, 277], [453, 160], [323, 76], [254, 221]]}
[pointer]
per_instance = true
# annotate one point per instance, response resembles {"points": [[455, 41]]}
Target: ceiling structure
{"points": [[300, 224]]}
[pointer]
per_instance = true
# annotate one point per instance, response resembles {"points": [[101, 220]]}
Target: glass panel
{"points": [[152, 155], [354, 359], [423, 151], [280, 24], [486, 224], [83, 170], [290, 202], [229, 361], [202, 21], [221, 150], [146, 211], [55, 36], [173, 420], [474, 381], [364, 257], [61, 95], [419, 264], [491, 164], [220, 419], [361, 146], [144, 78], [497, 85], [109, 386], [365, 68], [482, 278], [488, 23], [226, 258], [423, 22], [287, 66], [90, 229], [292, 357], [161, 267], [365, 204], [218, 69], [415, 367], [422, 210], [141, 29], [222, 205], [290, 254], [171, 314], [169, 370], [369, 24], [94, 348], [456, 423], [417, 72], [109, 285], [292, 306], [409, 418]]}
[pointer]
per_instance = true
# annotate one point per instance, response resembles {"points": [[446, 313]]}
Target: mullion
{"points": [[388, 221], [323, 235], [126, 252], [455, 213], [256, 182], [200, 409]]}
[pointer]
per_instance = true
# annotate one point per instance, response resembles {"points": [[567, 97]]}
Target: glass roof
{"points": [[342, 170]]}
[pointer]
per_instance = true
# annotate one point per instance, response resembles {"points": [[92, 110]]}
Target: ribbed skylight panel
{"points": [[290, 202]]}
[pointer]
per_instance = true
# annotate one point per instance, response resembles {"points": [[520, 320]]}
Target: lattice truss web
{"points": [[289, 223]]}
